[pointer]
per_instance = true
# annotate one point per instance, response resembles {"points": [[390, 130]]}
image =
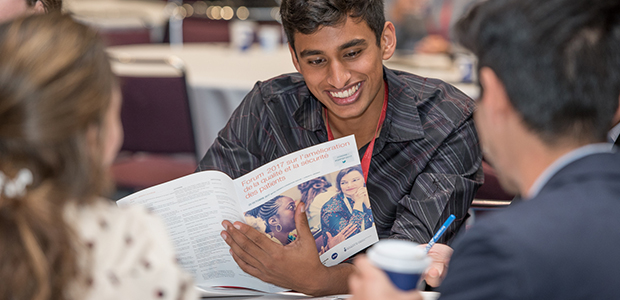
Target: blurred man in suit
{"points": [[550, 73]]}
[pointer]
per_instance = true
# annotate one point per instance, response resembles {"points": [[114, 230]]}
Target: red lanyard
{"points": [[368, 154]]}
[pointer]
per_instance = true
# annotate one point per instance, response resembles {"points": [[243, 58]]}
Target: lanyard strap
{"points": [[368, 154]]}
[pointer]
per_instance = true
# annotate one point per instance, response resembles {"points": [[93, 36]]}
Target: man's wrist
{"points": [[330, 281]]}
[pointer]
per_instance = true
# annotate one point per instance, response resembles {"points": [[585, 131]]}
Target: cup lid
{"points": [[399, 256]]}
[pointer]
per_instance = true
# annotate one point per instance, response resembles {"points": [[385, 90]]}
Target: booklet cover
{"points": [[327, 177]]}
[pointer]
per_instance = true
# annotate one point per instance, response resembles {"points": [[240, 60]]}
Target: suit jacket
{"points": [[562, 244]]}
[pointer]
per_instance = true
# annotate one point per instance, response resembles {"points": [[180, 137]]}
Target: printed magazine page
{"points": [[327, 177], [193, 208]]}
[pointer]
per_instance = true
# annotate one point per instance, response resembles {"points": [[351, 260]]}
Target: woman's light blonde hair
{"points": [[55, 84]]}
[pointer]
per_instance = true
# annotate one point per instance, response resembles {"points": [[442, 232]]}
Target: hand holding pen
{"points": [[440, 232], [440, 255]]}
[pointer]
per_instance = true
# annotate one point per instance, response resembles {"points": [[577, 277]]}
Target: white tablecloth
{"points": [[121, 14], [219, 78]]}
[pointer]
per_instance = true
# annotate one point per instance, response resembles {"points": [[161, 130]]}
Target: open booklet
{"points": [[327, 177]]}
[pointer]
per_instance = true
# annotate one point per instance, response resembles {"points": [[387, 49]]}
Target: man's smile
{"points": [[346, 95]]}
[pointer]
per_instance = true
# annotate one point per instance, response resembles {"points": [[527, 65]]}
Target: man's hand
{"points": [[436, 272], [369, 282], [295, 266]]}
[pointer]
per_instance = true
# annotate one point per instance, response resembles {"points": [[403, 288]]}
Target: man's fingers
{"points": [[243, 246], [433, 277], [258, 238], [355, 284], [368, 269], [239, 252], [245, 266]]}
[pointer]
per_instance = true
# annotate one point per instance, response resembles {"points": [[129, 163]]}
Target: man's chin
{"points": [[509, 186]]}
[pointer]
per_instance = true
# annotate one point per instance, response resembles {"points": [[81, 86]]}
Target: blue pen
{"points": [[440, 232]]}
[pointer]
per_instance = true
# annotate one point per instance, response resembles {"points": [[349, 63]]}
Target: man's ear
{"points": [[294, 57], [616, 119], [495, 97], [38, 7], [388, 40]]}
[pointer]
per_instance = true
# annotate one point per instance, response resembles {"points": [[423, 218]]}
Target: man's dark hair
{"points": [[306, 16], [559, 61]]}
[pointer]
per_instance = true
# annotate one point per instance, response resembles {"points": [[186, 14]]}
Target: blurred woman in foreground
{"points": [[59, 132]]}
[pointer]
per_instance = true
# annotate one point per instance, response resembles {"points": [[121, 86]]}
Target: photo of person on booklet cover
{"points": [[337, 204], [275, 218], [348, 212]]}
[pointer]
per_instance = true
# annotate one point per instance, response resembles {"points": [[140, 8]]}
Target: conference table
{"points": [[219, 76], [292, 295]]}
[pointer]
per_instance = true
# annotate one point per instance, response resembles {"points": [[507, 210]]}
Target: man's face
{"points": [[343, 67], [493, 133]]}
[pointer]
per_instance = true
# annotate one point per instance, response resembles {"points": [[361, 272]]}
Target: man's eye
{"points": [[352, 54], [317, 61]]}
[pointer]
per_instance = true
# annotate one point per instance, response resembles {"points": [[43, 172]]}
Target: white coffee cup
{"points": [[269, 37], [403, 261], [242, 34]]}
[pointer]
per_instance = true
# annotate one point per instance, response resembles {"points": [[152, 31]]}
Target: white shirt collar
{"points": [[614, 133], [563, 161]]}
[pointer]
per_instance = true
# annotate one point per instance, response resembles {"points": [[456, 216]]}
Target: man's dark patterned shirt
{"points": [[426, 162]]}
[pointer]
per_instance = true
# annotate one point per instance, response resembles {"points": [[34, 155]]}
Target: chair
{"points": [[119, 28], [159, 139], [125, 36]]}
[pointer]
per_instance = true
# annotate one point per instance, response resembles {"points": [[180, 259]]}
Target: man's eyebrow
{"points": [[306, 53], [352, 43], [349, 44]]}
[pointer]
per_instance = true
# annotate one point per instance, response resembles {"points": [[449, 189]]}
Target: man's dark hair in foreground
{"points": [[557, 59]]}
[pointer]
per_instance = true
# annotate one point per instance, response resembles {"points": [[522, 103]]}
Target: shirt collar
{"points": [[565, 160], [614, 133], [402, 121]]}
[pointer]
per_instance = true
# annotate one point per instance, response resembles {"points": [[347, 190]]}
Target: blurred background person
{"points": [[10, 9], [59, 132], [425, 26], [408, 19]]}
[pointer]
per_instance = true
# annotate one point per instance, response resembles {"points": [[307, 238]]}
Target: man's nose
{"points": [[338, 76]]}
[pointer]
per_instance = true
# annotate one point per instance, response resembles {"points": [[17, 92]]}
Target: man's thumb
{"points": [[301, 223]]}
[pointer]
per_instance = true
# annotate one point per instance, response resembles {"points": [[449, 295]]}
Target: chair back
{"points": [[156, 111]]}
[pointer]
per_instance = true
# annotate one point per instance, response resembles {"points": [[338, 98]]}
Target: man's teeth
{"points": [[346, 93]]}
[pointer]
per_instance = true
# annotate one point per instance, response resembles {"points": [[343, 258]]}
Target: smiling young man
{"points": [[415, 136]]}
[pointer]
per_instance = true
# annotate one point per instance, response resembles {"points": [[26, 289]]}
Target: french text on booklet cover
{"points": [[327, 177]]}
